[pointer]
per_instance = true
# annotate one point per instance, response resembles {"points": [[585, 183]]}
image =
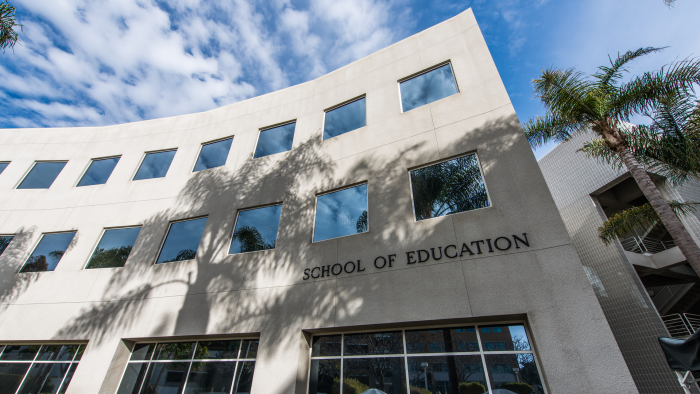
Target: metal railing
{"points": [[681, 324], [636, 244]]}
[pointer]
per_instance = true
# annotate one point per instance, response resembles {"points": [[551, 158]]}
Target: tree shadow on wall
{"points": [[223, 291]]}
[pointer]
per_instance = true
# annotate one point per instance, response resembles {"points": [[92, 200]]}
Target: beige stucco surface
{"points": [[264, 292]]}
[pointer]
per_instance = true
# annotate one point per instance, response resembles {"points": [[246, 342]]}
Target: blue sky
{"points": [[100, 62]]}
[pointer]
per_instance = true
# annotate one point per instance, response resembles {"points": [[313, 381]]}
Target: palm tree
{"points": [[8, 21], [603, 103], [670, 147]]}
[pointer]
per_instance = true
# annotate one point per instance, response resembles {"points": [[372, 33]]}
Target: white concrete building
{"points": [[385, 226]]}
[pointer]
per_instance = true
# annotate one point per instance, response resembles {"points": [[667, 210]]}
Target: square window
{"points": [[155, 165], [114, 248], [275, 140], [213, 154], [98, 172], [449, 187], [256, 229], [42, 175], [341, 213], [4, 241], [182, 240], [427, 87], [3, 166], [345, 118], [48, 253]]}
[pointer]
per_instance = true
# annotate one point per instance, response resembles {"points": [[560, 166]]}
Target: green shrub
{"points": [[350, 386], [419, 390], [471, 388], [518, 388]]}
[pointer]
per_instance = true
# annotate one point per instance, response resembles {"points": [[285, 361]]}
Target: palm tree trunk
{"points": [[673, 224]]}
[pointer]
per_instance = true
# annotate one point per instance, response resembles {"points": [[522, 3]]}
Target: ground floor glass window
{"points": [[454, 360], [45, 369], [220, 367]]}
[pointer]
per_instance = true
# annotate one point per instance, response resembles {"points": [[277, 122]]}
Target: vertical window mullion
{"points": [[483, 359], [342, 360], [405, 361], [189, 368]]}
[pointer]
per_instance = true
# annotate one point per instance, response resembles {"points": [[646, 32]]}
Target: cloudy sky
{"points": [[99, 62]]}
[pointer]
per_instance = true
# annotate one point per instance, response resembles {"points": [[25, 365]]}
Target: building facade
{"points": [[644, 284], [384, 226]]}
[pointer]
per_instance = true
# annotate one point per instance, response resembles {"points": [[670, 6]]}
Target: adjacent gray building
{"points": [[384, 226], [644, 284]]}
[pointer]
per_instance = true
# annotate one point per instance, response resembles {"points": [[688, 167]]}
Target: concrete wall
{"points": [[572, 178], [263, 292]]}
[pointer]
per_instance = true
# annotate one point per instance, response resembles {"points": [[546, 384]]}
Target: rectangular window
{"points": [[446, 360], [341, 213], [48, 252], [155, 165], [449, 187], [276, 139], [99, 171], [114, 248], [191, 367], [29, 369], [344, 118], [256, 229], [4, 241], [213, 154], [182, 240], [42, 175], [4, 165], [427, 87]]}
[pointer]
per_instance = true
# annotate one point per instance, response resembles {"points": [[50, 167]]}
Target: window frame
{"points": [[33, 361], [344, 103], [30, 171], [199, 152], [99, 239], [82, 174], [143, 157], [235, 222], [405, 355], [274, 126], [313, 226], [425, 71], [167, 232], [37, 245], [481, 171], [190, 360]]}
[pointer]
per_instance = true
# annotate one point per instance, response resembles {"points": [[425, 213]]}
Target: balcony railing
{"points": [[682, 324], [637, 244]]}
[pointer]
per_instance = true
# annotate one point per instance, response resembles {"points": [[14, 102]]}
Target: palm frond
{"points": [[565, 92], [614, 72], [540, 130], [598, 149], [638, 219], [642, 93], [8, 22]]}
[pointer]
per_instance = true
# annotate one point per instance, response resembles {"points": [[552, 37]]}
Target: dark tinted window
{"points": [[326, 346], [275, 140], [390, 370], [48, 253], [3, 166], [182, 241], [4, 241], [349, 117], [98, 172], [20, 352], [155, 165], [256, 229], [217, 350], [57, 352], [512, 337], [514, 372], [428, 87], [42, 175], [341, 213], [374, 343], [114, 248], [174, 351], [442, 340], [213, 155], [448, 187], [467, 374]]}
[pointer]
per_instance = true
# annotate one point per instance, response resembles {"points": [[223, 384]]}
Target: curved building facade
{"points": [[384, 226]]}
